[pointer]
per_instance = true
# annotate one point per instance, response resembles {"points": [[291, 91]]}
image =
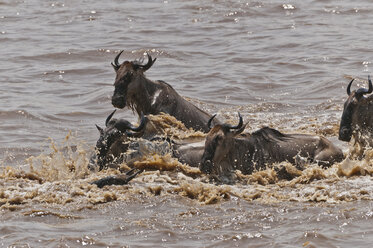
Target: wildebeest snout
{"points": [[118, 101], [345, 134]]}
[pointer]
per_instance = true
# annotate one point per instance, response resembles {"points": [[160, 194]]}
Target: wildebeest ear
{"points": [[369, 98]]}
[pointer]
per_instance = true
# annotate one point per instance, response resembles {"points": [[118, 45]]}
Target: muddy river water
{"points": [[283, 64]]}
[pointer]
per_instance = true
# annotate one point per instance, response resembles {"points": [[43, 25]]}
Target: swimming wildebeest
{"points": [[357, 120], [114, 147], [111, 143], [142, 95], [114, 142], [226, 149]]}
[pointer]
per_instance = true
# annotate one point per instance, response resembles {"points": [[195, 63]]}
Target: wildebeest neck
{"points": [[144, 98]]}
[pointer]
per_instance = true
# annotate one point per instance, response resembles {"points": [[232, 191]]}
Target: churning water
{"points": [[284, 64]]}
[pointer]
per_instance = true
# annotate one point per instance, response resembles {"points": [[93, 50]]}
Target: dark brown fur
{"points": [[226, 150]]}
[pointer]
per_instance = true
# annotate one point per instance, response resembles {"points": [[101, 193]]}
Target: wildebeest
{"points": [[111, 142], [226, 149], [115, 145], [357, 120], [140, 94]]}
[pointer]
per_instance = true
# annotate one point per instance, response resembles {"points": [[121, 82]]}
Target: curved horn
{"points": [[210, 121], [240, 123], [349, 87], [141, 125], [363, 91], [109, 117], [116, 60], [149, 64], [124, 125]]}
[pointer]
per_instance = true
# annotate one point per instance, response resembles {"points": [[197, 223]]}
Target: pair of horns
{"points": [[124, 125], [228, 126], [361, 91], [145, 67]]}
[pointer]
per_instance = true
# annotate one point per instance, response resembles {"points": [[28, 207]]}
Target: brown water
{"points": [[285, 64]]}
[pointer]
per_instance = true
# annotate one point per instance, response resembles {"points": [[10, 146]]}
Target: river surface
{"points": [[283, 64]]}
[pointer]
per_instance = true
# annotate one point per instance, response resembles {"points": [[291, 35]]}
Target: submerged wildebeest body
{"points": [[142, 95], [112, 140], [357, 120], [116, 144], [189, 153], [226, 149]]}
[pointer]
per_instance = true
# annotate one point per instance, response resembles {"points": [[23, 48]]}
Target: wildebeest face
{"points": [[128, 80], [112, 140], [218, 144], [122, 81], [346, 125], [354, 111], [215, 149], [107, 138]]}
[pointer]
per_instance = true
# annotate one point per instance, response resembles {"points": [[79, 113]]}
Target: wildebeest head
{"points": [[128, 80], [218, 142], [110, 143], [355, 111]]}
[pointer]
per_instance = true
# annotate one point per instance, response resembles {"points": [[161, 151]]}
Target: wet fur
{"points": [[263, 147]]}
